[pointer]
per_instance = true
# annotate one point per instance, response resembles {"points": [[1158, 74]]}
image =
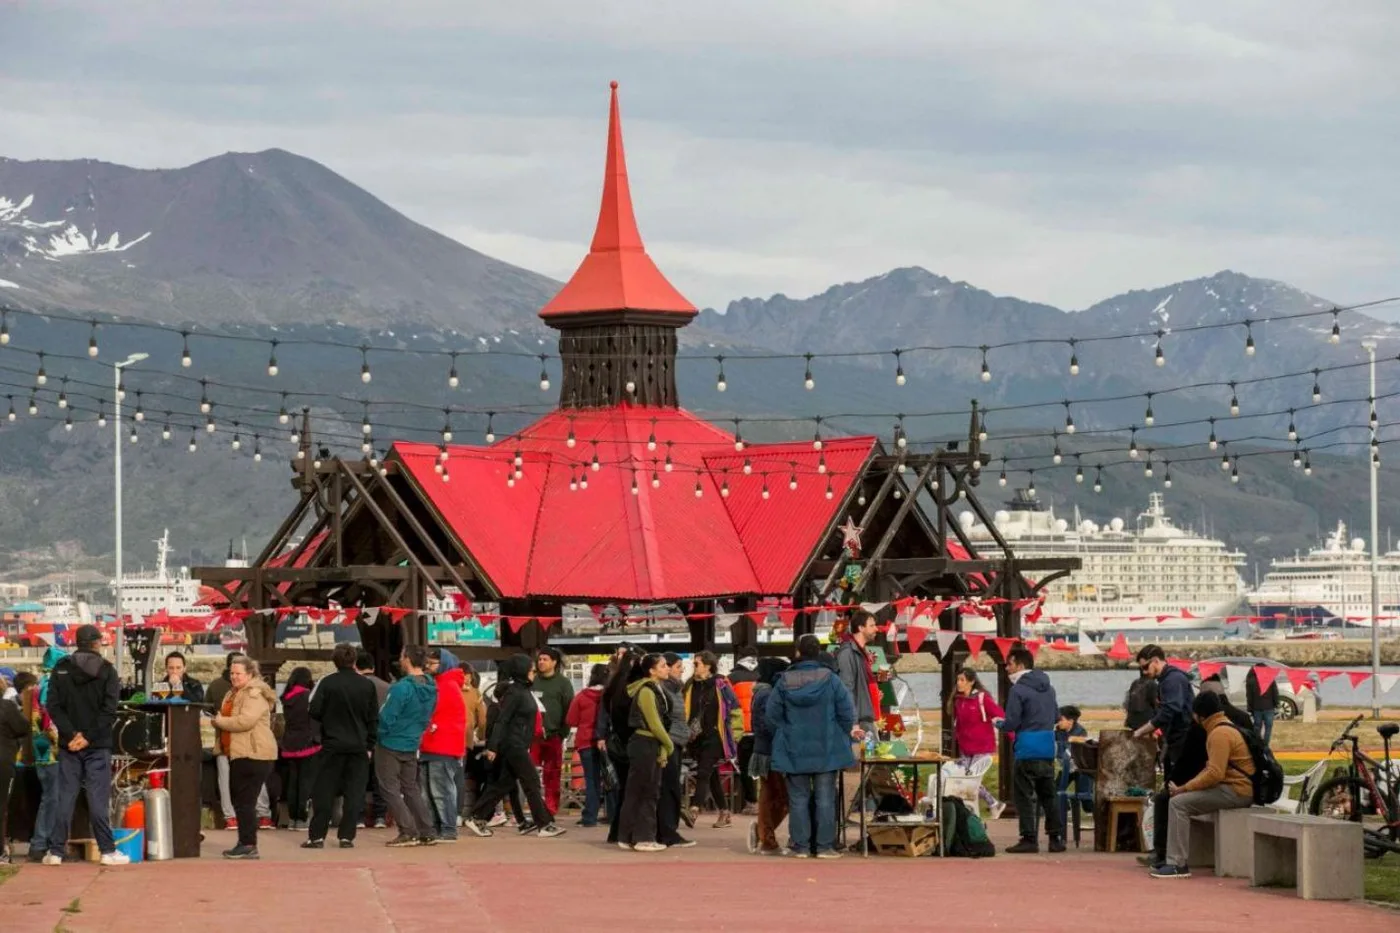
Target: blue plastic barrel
{"points": [[132, 842]]}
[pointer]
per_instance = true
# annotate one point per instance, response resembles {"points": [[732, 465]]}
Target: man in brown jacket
{"points": [[1225, 783]]}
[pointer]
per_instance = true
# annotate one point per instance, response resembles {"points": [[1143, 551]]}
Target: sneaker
{"points": [[801, 855], [347, 843], [378, 824], [1149, 860], [36, 856], [551, 831], [1057, 844], [230, 823], [750, 809], [314, 844], [781, 852], [648, 847], [526, 828], [477, 828], [681, 844], [995, 811], [498, 820], [459, 821], [447, 839], [115, 858], [402, 842], [1024, 847], [265, 822], [248, 853], [753, 837], [586, 825], [361, 825], [1171, 871], [51, 859], [428, 840], [723, 820], [829, 853], [689, 815], [624, 845]]}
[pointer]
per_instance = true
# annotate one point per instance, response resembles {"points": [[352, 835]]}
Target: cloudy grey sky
{"points": [[1057, 150]]}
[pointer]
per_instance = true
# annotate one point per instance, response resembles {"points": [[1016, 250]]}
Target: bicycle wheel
{"points": [[1337, 798]]}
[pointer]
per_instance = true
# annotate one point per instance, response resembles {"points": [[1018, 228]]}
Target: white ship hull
{"points": [[1329, 586]]}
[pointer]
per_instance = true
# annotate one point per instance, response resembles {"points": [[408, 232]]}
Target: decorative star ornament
{"points": [[850, 536]]}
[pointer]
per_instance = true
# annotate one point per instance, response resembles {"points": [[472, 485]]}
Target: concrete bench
{"points": [[1321, 857], [1224, 841]]}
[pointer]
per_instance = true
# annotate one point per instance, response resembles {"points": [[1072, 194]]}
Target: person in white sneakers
{"points": [[83, 694]]}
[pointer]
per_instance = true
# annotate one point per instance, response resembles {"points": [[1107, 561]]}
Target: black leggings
{"points": [[708, 785], [637, 822], [515, 768], [246, 777], [299, 784]]}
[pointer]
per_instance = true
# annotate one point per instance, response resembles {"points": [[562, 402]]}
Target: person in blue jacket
{"points": [[408, 707], [813, 721], [1031, 714]]}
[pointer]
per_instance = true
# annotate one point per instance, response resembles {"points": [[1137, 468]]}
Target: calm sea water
{"points": [[1106, 688]]}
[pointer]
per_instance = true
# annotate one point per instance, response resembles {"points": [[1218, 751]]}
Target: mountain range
{"points": [[271, 247]]}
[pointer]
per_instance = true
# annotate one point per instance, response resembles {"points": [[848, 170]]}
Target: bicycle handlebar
{"points": [[1346, 735]]}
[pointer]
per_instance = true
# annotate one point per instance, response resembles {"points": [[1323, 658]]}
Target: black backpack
{"points": [[1268, 773], [963, 841]]}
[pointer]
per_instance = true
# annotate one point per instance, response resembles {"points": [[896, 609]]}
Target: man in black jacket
{"points": [[1173, 720], [83, 693], [347, 707]]}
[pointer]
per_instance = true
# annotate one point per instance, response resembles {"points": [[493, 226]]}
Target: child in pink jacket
{"points": [[974, 712]]}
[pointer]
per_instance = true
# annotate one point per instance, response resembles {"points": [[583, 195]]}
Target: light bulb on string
{"points": [[738, 437], [63, 392], [186, 361], [1073, 358], [1317, 387], [1132, 443], [1248, 339], [1147, 466], [651, 438], [748, 466], [699, 489], [1234, 400], [295, 437], [860, 499], [1078, 470], [1167, 475], [899, 379], [257, 451], [571, 441], [808, 382], [1056, 457], [209, 424], [595, 466], [1292, 430], [986, 372], [490, 434], [900, 440], [365, 376], [1235, 471], [194, 441], [1030, 487], [101, 415], [829, 491], [1213, 442], [140, 414], [446, 425], [366, 444], [272, 369], [982, 427], [92, 341], [1069, 418], [165, 428], [33, 405], [792, 480], [1159, 358], [573, 480], [446, 477], [655, 479], [817, 436], [237, 441], [724, 485], [452, 380], [821, 463], [68, 421], [4, 329], [133, 436], [1098, 479], [204, 404], [1225, 460], [1149, 417], [669, 465], [1336, 336], [41, 377], [544, 374], [1307, 464], [582, 479], [1297, 457], [765, 492], [635, 490], [1001, 480], [631, 387], [282, 415], [720, 383], [518, 459], [1372, 420], [11, 415], [121, 387]]}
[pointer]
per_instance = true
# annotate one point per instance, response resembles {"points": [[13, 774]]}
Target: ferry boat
{"points": [[1330, 586], [152, 593], [1154, 576]]}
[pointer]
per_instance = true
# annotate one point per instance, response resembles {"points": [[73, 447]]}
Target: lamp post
{"points": [[1375, 465], [117, 368]]}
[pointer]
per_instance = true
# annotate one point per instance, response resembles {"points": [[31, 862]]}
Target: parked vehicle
{"points": [[1290, 702]]}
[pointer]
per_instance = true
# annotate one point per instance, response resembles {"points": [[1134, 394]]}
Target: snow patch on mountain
{"points": [[6, 283], [69, 240]]}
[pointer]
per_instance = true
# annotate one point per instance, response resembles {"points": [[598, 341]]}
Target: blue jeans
{"points": [[91, 771], [1263, 724], [803, 791], [588, 760], [440, 776], [48, 807]]}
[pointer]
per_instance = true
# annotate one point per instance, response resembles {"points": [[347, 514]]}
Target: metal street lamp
{"points": [[117, 368]]}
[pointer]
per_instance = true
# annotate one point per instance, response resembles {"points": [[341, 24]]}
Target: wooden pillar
{"points": [[702, 631], [1008, 619], [948, 668]]}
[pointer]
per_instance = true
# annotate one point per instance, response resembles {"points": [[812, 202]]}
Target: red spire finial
{"points": [[617, 225], [613, 85]]}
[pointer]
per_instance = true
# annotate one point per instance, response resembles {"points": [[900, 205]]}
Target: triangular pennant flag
{"points": [[1004, 645], [873, 608], [725, 619], [1181, 664], [786, 617], [892, 637], [974, 643], [1120, 651], [351, 615], [1388, 682], [916, 635], [1324, 676], [1033, 646], [1298, 679], [394, 614], [1087, 646], [1235, 675], [758, 618], [1060, 644], [516, 623], [1266, 675], [946, 639], [1208, 669], [1358, 678], [547, 621]]}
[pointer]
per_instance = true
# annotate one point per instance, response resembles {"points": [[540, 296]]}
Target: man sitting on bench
{"points": [[1225, 783]]}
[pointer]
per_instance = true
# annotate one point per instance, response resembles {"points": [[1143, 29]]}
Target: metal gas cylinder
{"points": [[160, 838]]}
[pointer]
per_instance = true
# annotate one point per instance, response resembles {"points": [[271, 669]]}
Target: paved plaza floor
{"points": [[578, 883]]}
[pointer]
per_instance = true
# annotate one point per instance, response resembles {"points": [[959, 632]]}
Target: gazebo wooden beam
{"points": [[434, 551], [893, 528], [393, 533]]}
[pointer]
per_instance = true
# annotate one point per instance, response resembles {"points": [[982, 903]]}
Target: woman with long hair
{"points": [[974, 712], [648, 749], [299, 745], [245, 724], [583, 716], [615, 708], [716, 724]]}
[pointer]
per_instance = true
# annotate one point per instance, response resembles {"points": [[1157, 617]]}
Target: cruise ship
{"points": [[148, 593], [1329, 586], [1154, 576]]}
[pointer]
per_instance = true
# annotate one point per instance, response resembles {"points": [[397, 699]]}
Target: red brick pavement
{"points": [[578, 884]]}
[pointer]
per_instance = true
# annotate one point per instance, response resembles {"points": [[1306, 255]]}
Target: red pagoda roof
{"points": [[538, 538], [617, 274]]}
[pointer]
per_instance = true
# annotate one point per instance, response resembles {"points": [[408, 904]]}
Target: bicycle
{"points": [[1365, 787]]}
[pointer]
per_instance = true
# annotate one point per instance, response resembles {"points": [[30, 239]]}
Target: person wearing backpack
{"points": [[974, 712], [1225, 783]]}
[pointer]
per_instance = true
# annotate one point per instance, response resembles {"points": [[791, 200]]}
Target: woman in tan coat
{"points": [[246, 720]]}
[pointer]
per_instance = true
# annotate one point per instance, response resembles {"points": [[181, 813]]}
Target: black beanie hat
{"points": [[1206, 704]]}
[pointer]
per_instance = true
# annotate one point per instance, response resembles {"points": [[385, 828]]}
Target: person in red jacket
{"points": [[444, 745], [582, 717], [974, 712]]}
